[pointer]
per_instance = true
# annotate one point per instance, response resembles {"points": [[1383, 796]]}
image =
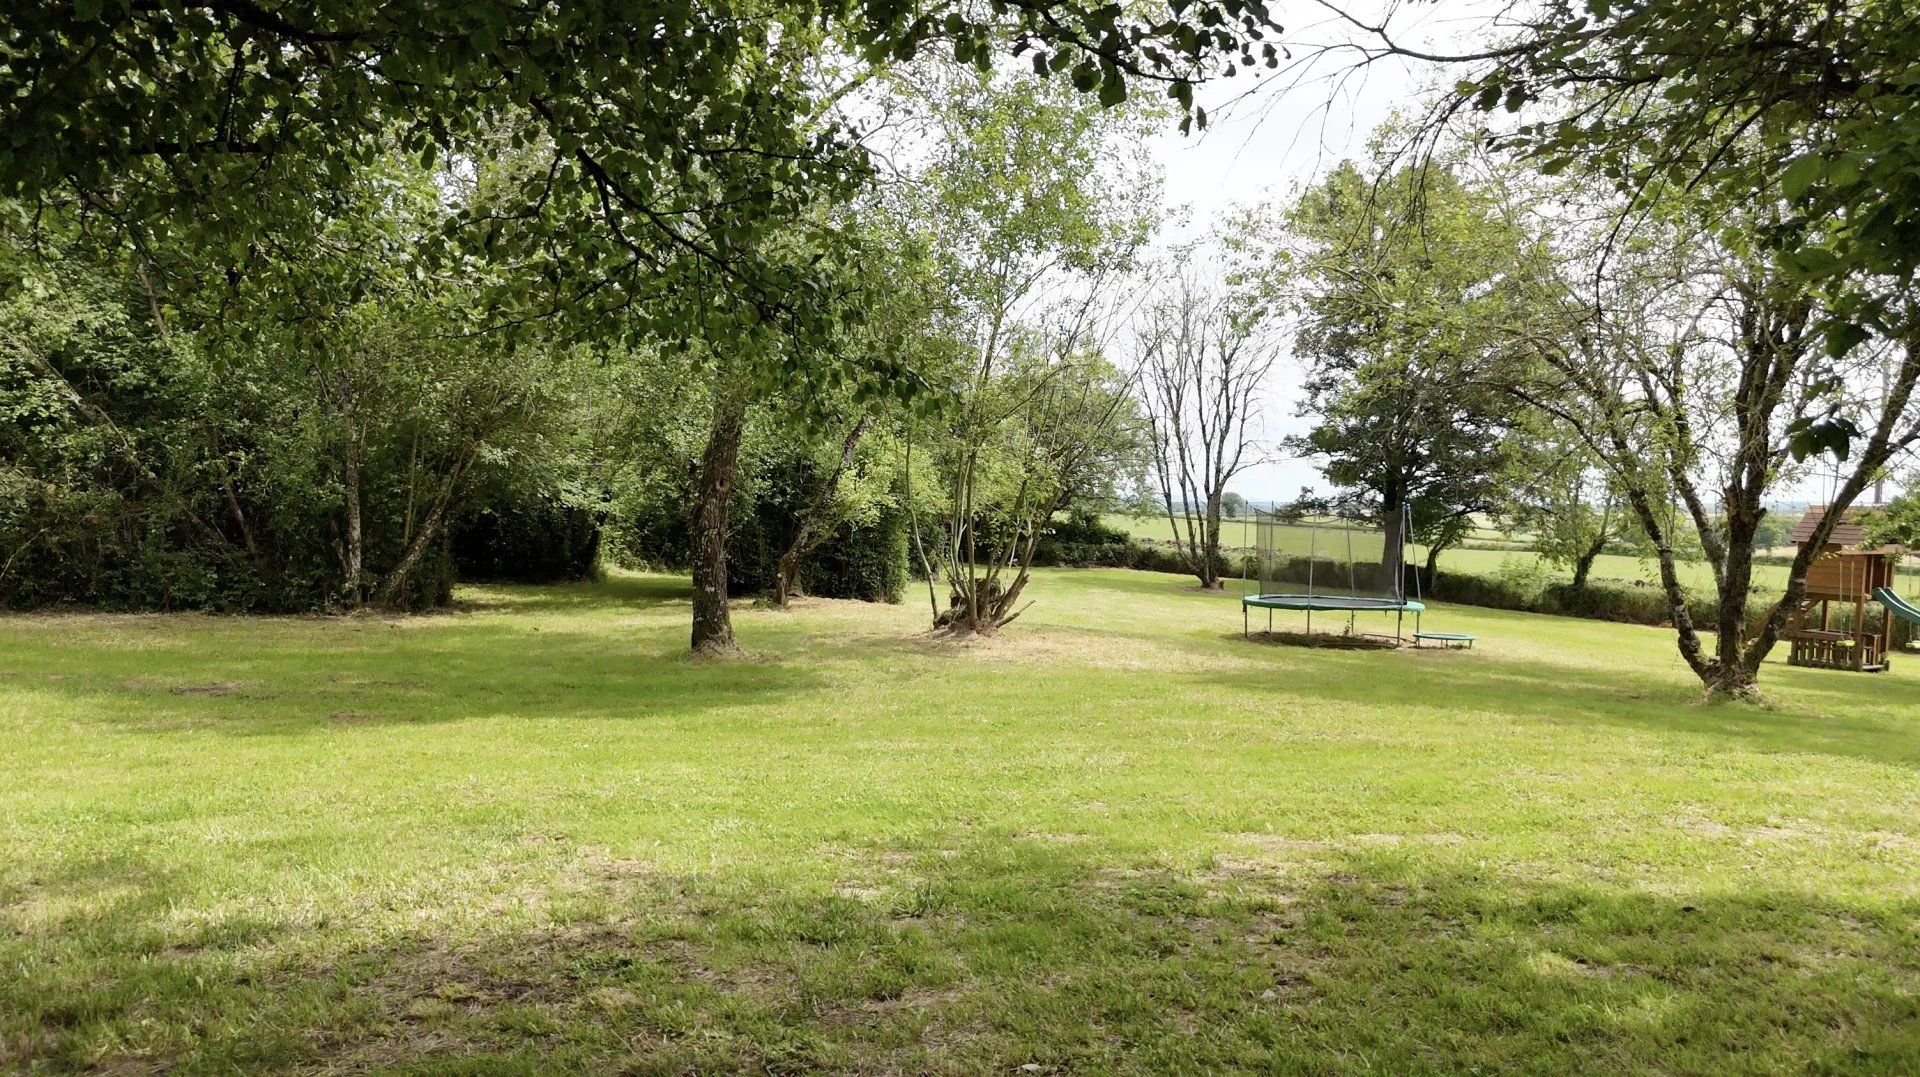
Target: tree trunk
{"points": [[1209, 556], [712, 625], [808, 534], [1394, 548], [396, 581], [1583, 565], [355, 555], [1732, 680], [1433, 569]]}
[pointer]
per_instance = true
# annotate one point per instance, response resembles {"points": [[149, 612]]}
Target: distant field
{"points": [[1487, 562]]}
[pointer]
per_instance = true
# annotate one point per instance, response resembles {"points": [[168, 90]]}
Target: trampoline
{"points": [[1331, 564], [1330, 602]]}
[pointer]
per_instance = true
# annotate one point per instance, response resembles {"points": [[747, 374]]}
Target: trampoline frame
{"points": [[1351, 606]]}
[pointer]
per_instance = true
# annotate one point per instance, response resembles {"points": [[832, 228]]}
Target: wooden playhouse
{"points": [[1847, 573]]}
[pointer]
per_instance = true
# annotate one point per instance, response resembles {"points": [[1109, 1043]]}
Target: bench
{"points": [[1445, 639]]}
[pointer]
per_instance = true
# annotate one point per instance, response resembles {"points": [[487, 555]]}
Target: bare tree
{"points": [[1205, 357]]}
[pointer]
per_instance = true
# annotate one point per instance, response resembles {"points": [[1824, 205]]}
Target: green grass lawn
{"points": [[531, 834]]}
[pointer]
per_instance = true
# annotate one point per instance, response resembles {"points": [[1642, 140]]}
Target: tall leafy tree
{"points": [[1405, 283]]}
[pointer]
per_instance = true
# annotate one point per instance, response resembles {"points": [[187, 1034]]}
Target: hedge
{"points": [[532, 541]]}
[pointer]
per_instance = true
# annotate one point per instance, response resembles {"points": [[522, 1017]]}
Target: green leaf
{"points": [[1800, 175]]}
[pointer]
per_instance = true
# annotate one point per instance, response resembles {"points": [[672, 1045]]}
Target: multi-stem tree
{"points": [[1038, 202], [1696, 374], [1049, 422]]}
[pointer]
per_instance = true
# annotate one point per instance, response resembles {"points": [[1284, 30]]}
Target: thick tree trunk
{"points": [[1736, 586], [712, 625], [1732, 680]]}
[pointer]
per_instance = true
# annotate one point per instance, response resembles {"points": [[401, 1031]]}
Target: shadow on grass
{"points": [[1001, 952], [295, 676], [622, 591], [1866, 724]]}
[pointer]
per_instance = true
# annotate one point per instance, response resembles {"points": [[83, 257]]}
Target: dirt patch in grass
{"points": [[1053, 646]]}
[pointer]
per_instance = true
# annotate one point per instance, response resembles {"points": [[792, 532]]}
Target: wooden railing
{"points": [[1835, 650]]}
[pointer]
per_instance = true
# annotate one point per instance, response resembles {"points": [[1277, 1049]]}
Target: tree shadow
{"points": [[621, 591], [979, 952], [295, 676]]}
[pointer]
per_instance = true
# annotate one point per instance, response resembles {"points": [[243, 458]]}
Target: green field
{"points": [[1486, 562], [531, 834]]}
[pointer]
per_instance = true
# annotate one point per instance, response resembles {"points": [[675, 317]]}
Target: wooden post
{"points": [[1859, 632]]}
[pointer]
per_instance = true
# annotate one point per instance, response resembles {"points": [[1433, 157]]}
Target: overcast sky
{"points": [[1265, 139]]}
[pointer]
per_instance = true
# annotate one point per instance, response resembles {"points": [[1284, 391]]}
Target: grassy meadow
{"points": [[1487, 562], [529, 833]]}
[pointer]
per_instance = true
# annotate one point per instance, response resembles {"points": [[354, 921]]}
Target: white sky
{"points": [[1265, 139]]}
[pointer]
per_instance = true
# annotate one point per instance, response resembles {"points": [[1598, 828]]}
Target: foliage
{"points": [[1039, 204], [1409, 284], [1806, 107], [1693, 369], [1556, 492], [291, 440], [529, 542], [1897, 523]]}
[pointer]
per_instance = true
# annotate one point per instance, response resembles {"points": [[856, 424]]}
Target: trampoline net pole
{"points": [[1313, 545], [1353, 583]]}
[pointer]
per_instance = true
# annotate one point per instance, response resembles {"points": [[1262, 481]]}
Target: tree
{"points": [[1206, 355], [1691, 369], [1404, 284], [1558, 494], [669, 170], [1039, 203], [1049, 422], [296, 439]]}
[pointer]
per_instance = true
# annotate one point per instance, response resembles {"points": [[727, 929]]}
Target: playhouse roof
{"points": [[1846, 534]]}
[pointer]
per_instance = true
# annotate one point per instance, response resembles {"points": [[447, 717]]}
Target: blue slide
{"points": [[1896, 605]]}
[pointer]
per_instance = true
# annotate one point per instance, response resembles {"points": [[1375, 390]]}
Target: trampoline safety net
{"points": [[1330, 557]]}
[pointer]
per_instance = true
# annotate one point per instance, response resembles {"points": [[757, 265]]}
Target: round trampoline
{"points": [[1315, 561]]}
